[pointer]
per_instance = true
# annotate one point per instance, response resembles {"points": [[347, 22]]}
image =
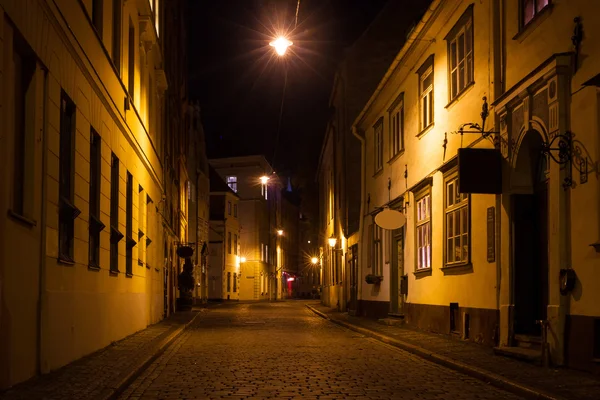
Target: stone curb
{"points": [[121, 385], [481, 374]]}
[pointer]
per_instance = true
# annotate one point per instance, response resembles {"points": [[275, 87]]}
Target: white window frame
{"points": [[378, 146], [460, 68], [423, 257], [396, 118], [452, 210], [426, 95]]}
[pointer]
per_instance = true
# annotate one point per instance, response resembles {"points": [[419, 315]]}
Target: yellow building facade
{"points": [[80, 259], [509, 262]]}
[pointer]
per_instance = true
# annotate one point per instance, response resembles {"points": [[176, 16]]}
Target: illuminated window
{"points": [[232, 182], [531, 8], [378, 146], [457, 223], [264, 190], [460, 54], [423, 229], [426, 94]]}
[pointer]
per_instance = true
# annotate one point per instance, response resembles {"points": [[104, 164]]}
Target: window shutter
{"points": [[371, 245]]}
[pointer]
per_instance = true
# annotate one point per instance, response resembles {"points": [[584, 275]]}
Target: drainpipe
{"points": [[42, 270], [363, 174]]}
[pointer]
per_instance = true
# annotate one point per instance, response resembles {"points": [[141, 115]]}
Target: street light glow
{"points": [[264, 179], [243, 260], [280, 232], [281, 45], [314, 260], [332, 241]]}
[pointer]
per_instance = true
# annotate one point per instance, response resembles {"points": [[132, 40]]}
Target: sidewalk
{"points": [[473, 359], [106, 372]]}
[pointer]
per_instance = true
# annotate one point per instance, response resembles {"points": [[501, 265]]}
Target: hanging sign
{"points": [[390, 219]]}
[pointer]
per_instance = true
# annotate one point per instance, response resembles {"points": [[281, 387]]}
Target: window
{"points": [[235, 210], [131, 61], [228, 208], [234, 282], [235, 244], [531, 8], [378, 145], [232, 182], [24, 101], [129, 226], [397, 127], [426, 93], [457, 224], [423, 230], [68, 212], [460, 54], [142, 225], [228, 282], [115, 234], [262, 252], [97, 15], [95, 225], [262, 283], [229, 242], [267, 253], [116, 33]]}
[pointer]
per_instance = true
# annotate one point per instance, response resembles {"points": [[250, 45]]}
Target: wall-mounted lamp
{"points": [[280, 232], [264, 179], [332, 241], [314, 260]]}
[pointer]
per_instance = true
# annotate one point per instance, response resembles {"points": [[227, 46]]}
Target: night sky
{"points": [[239, 80]]}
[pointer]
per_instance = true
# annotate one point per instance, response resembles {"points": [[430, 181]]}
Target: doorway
{"points": [[397, 272], [530, 238], [353, 279]]}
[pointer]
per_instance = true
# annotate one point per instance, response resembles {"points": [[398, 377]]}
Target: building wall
{"points": [[431, 290], [82, 308]]}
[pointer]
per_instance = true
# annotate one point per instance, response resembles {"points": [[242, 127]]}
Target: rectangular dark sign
{"points": [[479, 171]]}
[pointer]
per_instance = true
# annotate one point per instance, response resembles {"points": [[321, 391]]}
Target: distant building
{"points": [[338, 176], [224, 241], [83, 134]]}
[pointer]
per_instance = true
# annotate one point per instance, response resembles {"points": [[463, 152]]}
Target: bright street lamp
{"points": [[314, 260], [264, 179], [332, 241], [281, 45], [243, 260], [280, 232]]}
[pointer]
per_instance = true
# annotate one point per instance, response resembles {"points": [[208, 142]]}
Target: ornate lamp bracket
{"points": [[560, 148], [474, 127]]}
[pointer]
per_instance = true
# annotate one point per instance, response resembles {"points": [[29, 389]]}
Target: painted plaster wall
{"points": [[422, 157], [82, 309]]}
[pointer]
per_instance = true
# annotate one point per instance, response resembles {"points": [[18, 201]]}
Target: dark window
{"points": [[68, 211], [235, 244], [460, 54], [97, 15], [228, 208], [229, 242], [129, 226], [377, 155], [531, 8], [24, 134], [235, 210], [115, 234], [117, 32], [95, 225], [229, 282], [234, 282], [131, 61]]}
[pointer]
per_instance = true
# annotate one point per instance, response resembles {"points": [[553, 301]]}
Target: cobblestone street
{"points": [[282, 350]]}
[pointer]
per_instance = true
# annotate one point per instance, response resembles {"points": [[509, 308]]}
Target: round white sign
{"points": [[390, 219]]}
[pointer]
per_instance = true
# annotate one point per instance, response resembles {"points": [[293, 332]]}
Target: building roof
{"points": [[217, 184]]}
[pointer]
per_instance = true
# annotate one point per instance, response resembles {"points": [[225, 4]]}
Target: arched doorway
{"points": [[530, 236]]}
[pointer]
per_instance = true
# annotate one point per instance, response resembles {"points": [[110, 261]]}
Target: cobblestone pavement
{"points": [[282, 350], [560, 382], [95, 376]]}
